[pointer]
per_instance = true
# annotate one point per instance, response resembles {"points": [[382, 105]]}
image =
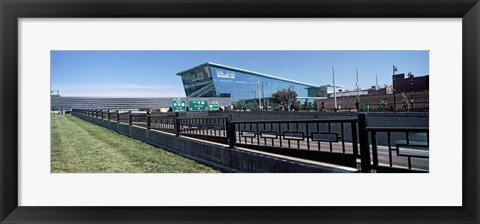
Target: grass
{"points": [[78, 146]]}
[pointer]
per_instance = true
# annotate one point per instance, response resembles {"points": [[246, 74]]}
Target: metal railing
{"points": [[339, 141], [319, 135], [405, 147], [163, 122], [207, 128], [210, 126], [332, 140], [124, 117]]}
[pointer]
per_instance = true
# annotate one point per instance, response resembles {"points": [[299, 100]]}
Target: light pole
{"points": [[394, 90], [334, 91], [411, 90]]}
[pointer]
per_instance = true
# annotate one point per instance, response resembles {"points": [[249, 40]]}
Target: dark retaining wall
{"points": [[375, 119], [216, 156]]}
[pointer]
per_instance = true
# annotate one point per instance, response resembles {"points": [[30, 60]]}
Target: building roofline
{"points": [[178, 73], [251, 73], [336, 86]]}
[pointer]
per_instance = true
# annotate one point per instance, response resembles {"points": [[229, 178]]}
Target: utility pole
{"points": [[334, 90], [259, 96], [357, 100], [394, 90], [411, 91], [376, 82], [358, 86]]}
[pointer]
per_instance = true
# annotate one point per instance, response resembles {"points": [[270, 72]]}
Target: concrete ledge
{"points": [[218, 155]]}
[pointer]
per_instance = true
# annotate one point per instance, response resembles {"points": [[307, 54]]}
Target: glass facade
{"points": [[209, 80], [198, 82]]}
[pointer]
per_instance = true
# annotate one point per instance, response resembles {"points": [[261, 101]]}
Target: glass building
{"points": [[215, 80]]}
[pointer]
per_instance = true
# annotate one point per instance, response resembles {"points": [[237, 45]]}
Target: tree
{"points": [[240, 105], [307, 105], [252, 105], [315, 105], [384, 104], [406, 104], [297, 106], [285, 98]]}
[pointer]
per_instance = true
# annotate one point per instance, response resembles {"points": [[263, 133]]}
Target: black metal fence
{"points": [[406, 147], [207, 128], [338, 141], [333, 140], [320, 135], [163, 122]]}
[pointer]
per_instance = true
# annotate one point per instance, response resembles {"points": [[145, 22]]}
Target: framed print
{"points": [[54, 44]]}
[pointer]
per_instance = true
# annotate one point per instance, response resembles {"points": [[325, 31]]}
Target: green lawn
{"points": [[81, 147]]}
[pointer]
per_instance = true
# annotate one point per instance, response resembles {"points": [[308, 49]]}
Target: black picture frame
{"points": [[11, 10]]}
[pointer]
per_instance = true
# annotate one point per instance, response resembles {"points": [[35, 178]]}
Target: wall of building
{"points": [[376, 119], [420, 101], [122, 103], [404, 83], [210, 80]]}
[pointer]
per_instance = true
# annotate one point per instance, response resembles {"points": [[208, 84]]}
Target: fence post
{"points": [[231, 135], [148, 120], [108, 115], [177, 124], [354, 138], [129, 117], [364, 145], [101, 115], [374, 149], [118, 117]]}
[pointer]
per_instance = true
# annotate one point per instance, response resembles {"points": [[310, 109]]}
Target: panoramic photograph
{"points": [[239, 111]]}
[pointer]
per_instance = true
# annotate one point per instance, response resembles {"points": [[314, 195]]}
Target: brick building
{"points": [[421, 102], [409, 83]]}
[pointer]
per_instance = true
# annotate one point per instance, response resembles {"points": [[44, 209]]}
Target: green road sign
{"points": [[214, 105], [179, 105], [198, 105]]}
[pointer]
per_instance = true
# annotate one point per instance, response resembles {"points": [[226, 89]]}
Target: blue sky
{"points": [[153, 73]]}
